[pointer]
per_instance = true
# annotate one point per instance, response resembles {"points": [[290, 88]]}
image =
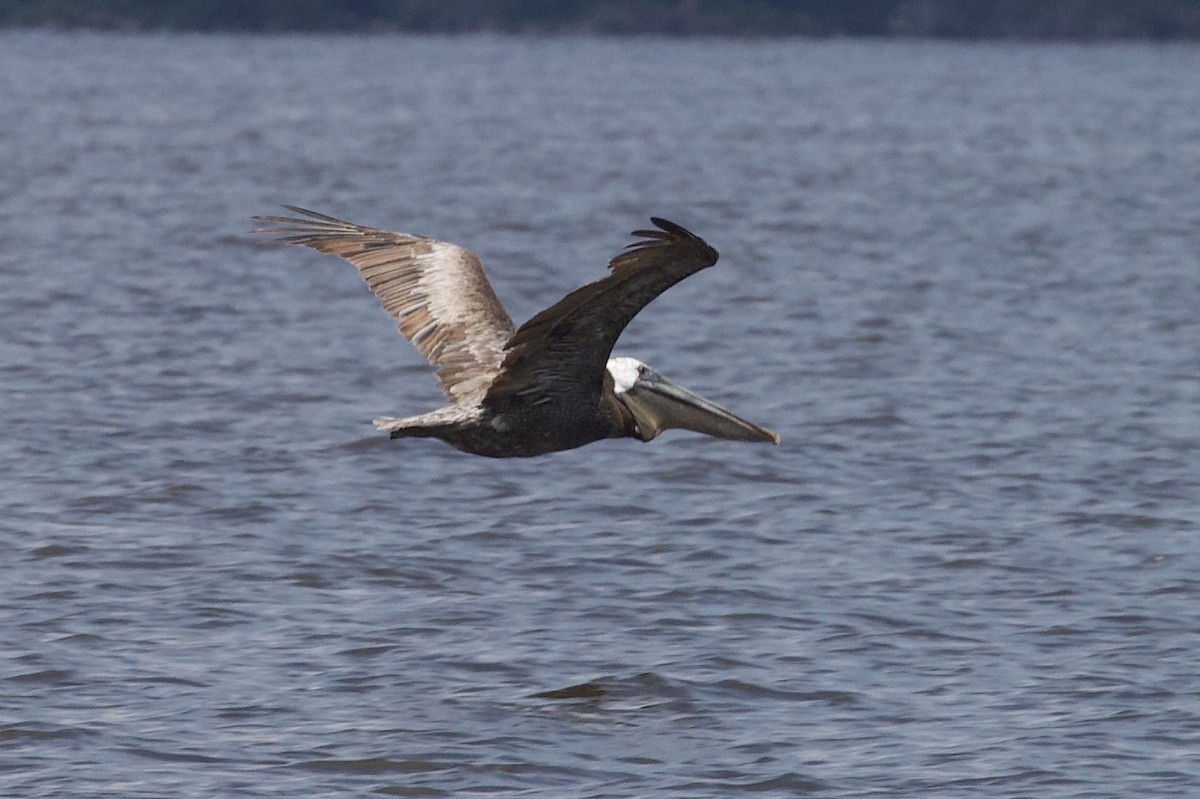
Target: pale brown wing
{"points": [[562, 351], [436, 291]]}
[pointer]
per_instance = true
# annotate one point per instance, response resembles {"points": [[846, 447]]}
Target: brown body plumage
{"points": [[548, 385]]}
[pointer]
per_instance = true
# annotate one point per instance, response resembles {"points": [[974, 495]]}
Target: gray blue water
{"points": [[960, 280]]}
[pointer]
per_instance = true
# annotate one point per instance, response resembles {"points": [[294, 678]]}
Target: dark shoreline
{"points": [[1020, 20]]}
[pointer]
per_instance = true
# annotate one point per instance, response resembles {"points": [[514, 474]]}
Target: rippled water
{"points": [[961, 281]]}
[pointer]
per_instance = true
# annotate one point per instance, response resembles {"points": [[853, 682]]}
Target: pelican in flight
{"points": [[548, 385]]}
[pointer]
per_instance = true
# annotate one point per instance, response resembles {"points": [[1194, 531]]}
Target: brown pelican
{"points": [[547, 385]]}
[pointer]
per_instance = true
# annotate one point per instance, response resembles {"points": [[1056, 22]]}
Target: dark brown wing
{"points": [[436, 291], [562, 351]]}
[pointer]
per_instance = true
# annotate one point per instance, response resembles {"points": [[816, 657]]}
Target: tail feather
{"points": [[397, 427], [411, 427], [388, 423]]}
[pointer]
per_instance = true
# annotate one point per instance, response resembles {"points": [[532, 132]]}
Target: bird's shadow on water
{"points": [[364, 444]]}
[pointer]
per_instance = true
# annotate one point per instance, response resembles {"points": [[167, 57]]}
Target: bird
{"points": [[551, 384]]}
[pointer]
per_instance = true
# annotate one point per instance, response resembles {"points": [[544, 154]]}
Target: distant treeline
{"points": [[1024, 19]]}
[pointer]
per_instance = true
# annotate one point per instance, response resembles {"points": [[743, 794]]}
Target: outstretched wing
{"points": [[563, 350], [436, 291]]}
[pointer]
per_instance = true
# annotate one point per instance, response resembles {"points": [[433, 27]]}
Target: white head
{"points": [[625, 372]]}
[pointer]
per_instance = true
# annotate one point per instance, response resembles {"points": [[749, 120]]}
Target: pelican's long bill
{"points": [[658, 404]]}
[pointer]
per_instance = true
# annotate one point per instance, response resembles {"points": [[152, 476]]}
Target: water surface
{"points": [[961, 281]]}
